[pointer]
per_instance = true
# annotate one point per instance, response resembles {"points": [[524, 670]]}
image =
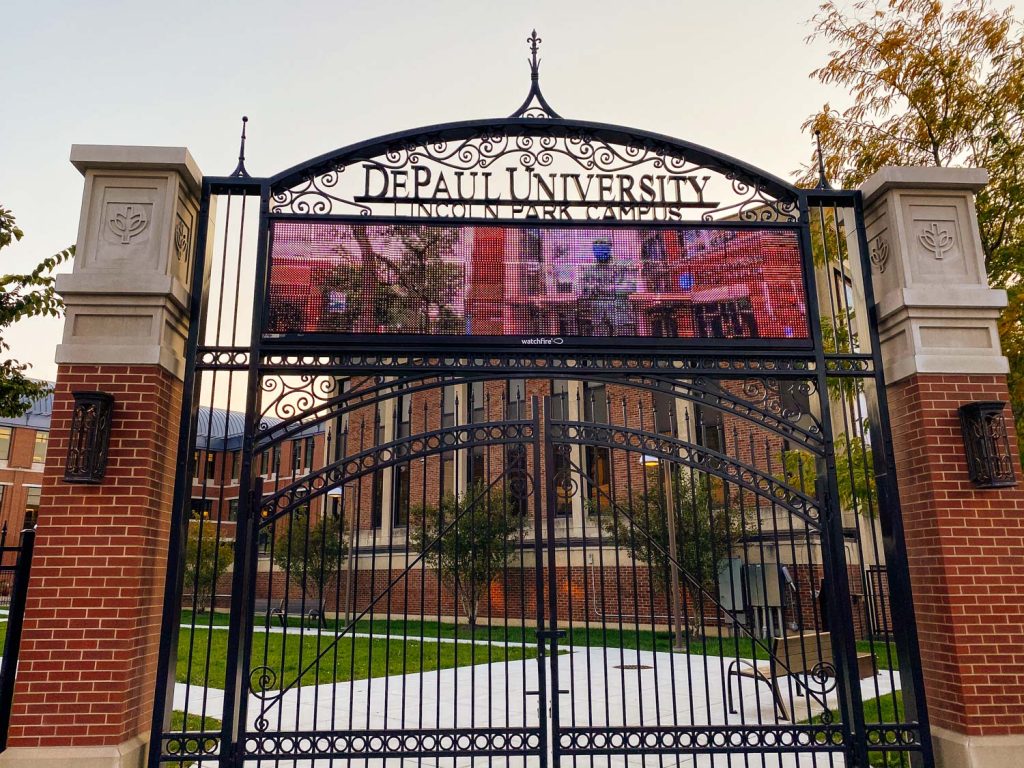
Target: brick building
{"points": [[770, 574], [23, 444]]}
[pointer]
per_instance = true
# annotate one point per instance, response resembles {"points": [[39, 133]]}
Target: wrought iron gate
{"points": [[640, 526]]}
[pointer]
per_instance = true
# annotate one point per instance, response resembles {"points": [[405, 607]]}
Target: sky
{"points": [[313, 76]]}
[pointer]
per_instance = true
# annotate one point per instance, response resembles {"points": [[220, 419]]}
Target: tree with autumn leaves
{"points": [[939, 85]]}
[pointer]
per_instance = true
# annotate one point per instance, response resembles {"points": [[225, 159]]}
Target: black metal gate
{"points": [[646, 524], [15, 565]]}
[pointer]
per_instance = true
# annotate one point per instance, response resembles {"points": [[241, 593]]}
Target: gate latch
{"points": [[550, 634]]}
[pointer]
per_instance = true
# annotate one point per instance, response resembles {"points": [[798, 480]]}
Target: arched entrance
{"points": [[545, 439]]}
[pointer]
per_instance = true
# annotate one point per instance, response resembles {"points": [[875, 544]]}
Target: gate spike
{"points": [[535, 104], [534, 42], [240, 172]]}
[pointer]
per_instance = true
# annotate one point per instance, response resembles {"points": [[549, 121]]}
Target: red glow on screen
{"points": [[521, 281]]}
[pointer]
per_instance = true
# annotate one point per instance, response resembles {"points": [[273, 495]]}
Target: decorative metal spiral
{"points": [[262, 680]]}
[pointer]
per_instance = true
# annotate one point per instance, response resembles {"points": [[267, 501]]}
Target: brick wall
{"points": [[88, 660], [966, 553]]}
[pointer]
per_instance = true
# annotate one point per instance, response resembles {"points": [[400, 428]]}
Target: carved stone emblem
{"points": [[128, 221], [880, 253], [936, 241], [181, 237]]}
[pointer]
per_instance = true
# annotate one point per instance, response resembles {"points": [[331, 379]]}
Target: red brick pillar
{"points": [[965, 544], [86, 675]]}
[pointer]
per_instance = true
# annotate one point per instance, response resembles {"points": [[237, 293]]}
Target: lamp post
{"points": [[673, 553]]}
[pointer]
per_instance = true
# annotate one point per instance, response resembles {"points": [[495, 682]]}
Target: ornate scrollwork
{"points": [[822, 678], [535, 145], [565, 477], [284, 397], [261, 680], [753, 203]]}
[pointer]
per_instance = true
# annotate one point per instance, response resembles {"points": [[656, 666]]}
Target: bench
{"points": [[797, 655]]}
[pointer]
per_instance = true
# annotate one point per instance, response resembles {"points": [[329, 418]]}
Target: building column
{"points": [[87, 670], [965, 544]]}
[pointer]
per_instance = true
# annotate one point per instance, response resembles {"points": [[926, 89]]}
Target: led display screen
{"points": [[528, 284]]}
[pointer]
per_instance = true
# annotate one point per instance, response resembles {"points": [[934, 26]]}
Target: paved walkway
{"points": [[495, 694]]}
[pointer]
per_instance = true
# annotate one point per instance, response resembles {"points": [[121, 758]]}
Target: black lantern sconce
{"points": [[90, 437], [989, 462]]}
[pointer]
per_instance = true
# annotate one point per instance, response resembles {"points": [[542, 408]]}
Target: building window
{"points": [[595, 402], [515, 455], [201, 508], [308, 454], [599, 474], [270, 462], [39, 451], [400, 497], [477, 415], [233, 510], [5, 443], [449, 406], [377, 500], [664, 414], [204, 459], [563, 466], [297, 446], [403, 428], [516, 398], [477, 403], [32, 505], [236, 465], [710, 429], [560, 399], [597, 461]]}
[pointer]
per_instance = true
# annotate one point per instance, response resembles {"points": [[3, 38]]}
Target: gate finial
{"points": [[535, 105], [822, 179], [534, 42], [240, 172]]}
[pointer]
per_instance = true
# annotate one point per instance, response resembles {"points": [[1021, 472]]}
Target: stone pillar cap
{"points": [[891, 176], [120, 157]]}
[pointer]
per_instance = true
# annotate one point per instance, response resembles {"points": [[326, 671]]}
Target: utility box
{"points": [[730, 585], [763, 585]]}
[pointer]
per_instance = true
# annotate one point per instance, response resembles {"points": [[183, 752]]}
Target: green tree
{"points": [[400, 277], [207, 558], [855, 473], [705, 533], [468, 539], [940, 85], [23, 296], [313, 557]]}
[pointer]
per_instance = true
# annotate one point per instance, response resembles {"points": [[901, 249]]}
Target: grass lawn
{"points": [[193, 723], [594, 636], [882, 710], [351, 659]]}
